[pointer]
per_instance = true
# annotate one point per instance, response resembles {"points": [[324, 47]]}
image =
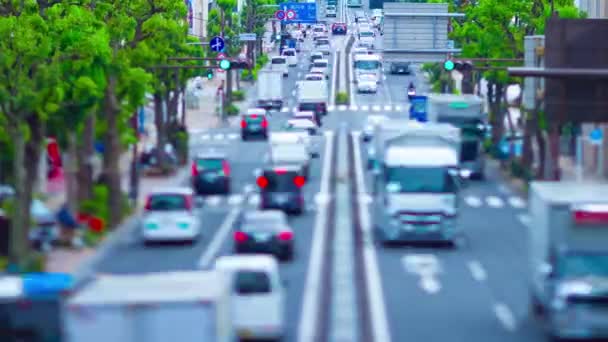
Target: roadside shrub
{"points": [[232, 110], [262, 60], [518, 170], [246, 75], [341, 98], [238, 95], [181, 146]]}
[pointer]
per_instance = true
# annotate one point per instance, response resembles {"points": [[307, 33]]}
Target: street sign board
{"points": [[291, 15], [280, 15], [596, 136], [247, 37], [305, 13], [217, 44]]}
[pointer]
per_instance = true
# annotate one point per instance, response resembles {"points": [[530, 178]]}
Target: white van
{"points": [[258, 295], [292, 56], [279, 63]]}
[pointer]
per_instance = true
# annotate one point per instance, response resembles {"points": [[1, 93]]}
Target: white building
{"points": [[595, 9], [198, 14]]}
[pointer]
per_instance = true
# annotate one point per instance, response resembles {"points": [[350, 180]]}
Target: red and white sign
{"points": [[291, 15], [221, 55], [280, 14], [591, 214]]}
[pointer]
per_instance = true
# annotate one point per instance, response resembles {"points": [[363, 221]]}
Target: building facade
{"points": [[595, 9]]}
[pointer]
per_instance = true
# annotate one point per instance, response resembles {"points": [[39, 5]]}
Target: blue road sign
{"points": [[217, 44], [306, 13], [596, 136]]}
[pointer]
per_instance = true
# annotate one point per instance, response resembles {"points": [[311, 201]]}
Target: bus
{"points": [[368, 64], [354, 3]]}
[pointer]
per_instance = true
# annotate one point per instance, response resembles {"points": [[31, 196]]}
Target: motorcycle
{"points": [[411, 92]]}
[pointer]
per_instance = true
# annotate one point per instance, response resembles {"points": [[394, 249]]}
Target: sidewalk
{"points": [[67, 260]]}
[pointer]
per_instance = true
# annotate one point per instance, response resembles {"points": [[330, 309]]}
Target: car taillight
{"points": [[299, 181], [243, 123], [265, 123], [285, 236], [240, 237], [262, 182], [194, 170], [148, 205], [189, 202], [226, 168], [254, 116]]}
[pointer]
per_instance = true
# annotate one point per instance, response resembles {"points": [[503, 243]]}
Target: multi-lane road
{"points": [[476, 291]]}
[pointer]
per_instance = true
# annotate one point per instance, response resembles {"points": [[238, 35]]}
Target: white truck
{"points": [[156, 307], [466, 112], [313, 97], [270, 89], [416, 182], [568, 250]]}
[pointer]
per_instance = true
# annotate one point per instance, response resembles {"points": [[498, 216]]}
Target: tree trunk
{"points": [[86, 153], [497, 114], [228, 95], [554, 133], [542, 147], [71, 171], [161, 132], [183, 92], [112, 153], [20, 217]]}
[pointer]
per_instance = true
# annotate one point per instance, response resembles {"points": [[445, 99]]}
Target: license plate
{"points": [[400, 70], [281, 199], [210, 177], [262, 237], [255, 127], [244, 333]]}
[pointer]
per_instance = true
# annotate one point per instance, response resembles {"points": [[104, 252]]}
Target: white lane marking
{"points": [[330, 108], [398, 108], [213, 200], [354, 108], [495, 202], [366, 199], [235, 199], [322, 198], [205, 137], [232, 136], [477, 270], [248, 188], [218, 136], [342, 108], [375, 293], [220, 235], [505, 316], [388, 107], [348, 59], [254, 199], [313, 285], [284, 110], [376, 108], [293, 93], [426, 267], [517, 202], [196, 131], [503, 189], [334, 74], [524, 219], [473, 201], [364, 107]]}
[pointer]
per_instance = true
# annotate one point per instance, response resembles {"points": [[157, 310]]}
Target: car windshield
{"points": [[469, 150], [418, 179], [318, 29], [251, 282], [283, 182], [319, 64], [322, 42], [167, 202], [578, 265], [290, 53], [314, 78], [261, 223], [209, 163], [367, 34], [366, 77], [279, 61], [367, 65], [331, 8]]}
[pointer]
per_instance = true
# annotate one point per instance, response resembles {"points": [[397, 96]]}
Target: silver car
{"points": [[367, 83]]}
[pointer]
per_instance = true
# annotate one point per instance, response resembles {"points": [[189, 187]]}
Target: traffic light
{"points": [[225, 64], [460, 65], [448, 65], [209, 74]]}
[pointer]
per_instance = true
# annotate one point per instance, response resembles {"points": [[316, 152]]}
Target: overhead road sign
{"points": [[305, 13], [217, 44], [247, 37], [280, 14]]}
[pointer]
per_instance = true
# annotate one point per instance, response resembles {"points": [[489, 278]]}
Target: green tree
{"points": [[28, 94]]}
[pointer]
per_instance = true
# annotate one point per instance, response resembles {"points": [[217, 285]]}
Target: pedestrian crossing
{"points": [[361, 108], [250, 200]]}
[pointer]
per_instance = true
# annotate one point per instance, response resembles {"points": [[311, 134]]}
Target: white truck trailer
{"points": [[416, 182], [313, 97], [568, 250], [157, 307], [466, 112], [270, 89]]}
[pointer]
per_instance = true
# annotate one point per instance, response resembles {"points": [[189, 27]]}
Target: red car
{"points": [[339, 28]]}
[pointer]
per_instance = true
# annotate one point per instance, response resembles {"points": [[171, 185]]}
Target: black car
{"points": [[211, 174], [264, 232], [315, 56], [254, 123], [401, 68], [281, 188]]}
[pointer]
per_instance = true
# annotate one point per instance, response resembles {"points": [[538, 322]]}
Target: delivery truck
{"points": [[568, 251], [465, 112], [313, 97], [155, 307], [270, 89], [417, 182]]}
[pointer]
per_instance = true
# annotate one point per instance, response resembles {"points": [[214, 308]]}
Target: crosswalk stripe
{"points": [[388, 107], [354, 107], [213, 200], [205, 137], [254, 199], [398, 108], [364, 107], [219, 136], [376, 108], [473, 201], [342, 108], [233, 136], [331, 108], [284, 110], [235, 199], [494, 202], [517, 202]]}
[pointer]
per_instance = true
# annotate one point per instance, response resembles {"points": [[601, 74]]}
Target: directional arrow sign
{"points": [[217, 44], [596, 136], [280, 14]]}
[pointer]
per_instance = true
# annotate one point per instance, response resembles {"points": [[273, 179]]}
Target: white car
{"points": [[319, 31], [169, 216], [307, 115], [367, 38], [323, 45], [279, 63], [321, 66], [367, 83], [292, 56], [364, 27], [359, 51], [331, 11], [258, 295]]}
